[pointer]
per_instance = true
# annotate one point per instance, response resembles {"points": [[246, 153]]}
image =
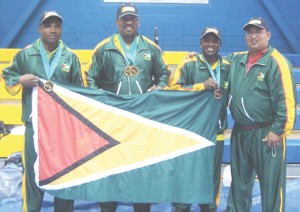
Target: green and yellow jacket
{"points": [[107, 68], [190, 75], [29, 61], [266, 94]]}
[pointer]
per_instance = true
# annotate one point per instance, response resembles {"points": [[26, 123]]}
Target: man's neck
{"points": [[253, 53], [128, 40], [260, 51], [50, 47], [211, 60]]}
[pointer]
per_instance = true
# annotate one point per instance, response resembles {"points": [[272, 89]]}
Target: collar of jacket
{"points": [[114, 43], [262, 61], [221, 59], [34, 48]]}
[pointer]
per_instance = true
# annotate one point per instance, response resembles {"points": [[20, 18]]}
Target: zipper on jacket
{"points": [[245, 110], [128, 82], [259, 64]]}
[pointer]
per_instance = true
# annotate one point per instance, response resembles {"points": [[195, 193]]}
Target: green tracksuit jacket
{"points": [[262, 100], [190, 75], [266, 94], [29, 61], [106, 70]]}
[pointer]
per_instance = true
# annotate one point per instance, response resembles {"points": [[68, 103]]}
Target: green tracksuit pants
{"points": [[32, 195], [249, 156]]}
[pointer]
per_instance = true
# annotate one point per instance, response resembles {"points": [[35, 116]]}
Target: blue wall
{"points": [[86, 22]]}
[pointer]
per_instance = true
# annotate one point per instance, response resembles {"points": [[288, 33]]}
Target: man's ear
{"points": [[269, 35]]}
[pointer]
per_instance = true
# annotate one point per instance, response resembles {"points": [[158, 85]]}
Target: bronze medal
{"points": [[131, 71], [48, 86], [218, 93], [127, 71], [134, 70]]}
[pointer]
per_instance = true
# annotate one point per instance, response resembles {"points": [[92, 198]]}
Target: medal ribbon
{"points": [[130, 52], [216, 76], [49, 68]]}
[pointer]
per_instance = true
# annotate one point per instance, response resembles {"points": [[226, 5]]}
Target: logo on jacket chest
{"points": [[260, 76], [65, 67], [225, 85], [147, 56]]}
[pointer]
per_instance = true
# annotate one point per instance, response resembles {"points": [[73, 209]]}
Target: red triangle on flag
{"points": [[57, 123]]}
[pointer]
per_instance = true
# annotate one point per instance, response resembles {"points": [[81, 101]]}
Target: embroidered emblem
{"points": [[260, 76], [65, 67], [225, 86], [147, 56]]}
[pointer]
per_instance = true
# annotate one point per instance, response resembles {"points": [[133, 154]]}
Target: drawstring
{"points": [[273, 152]]}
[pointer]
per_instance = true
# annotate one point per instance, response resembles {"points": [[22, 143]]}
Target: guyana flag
{"points": [[94, 145]]}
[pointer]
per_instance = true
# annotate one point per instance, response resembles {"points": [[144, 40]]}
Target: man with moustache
{"points": [[127, 63], [263, 106]]}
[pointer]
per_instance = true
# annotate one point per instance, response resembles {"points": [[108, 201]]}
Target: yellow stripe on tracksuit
{"points": [[24, 196], [96, 48], [177, 73], [283, 164], [287, 84], [221, 137]]}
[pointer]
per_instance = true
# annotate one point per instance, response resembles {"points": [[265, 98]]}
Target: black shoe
{"points": [[205, 208], [182, 210], [141, 207]]}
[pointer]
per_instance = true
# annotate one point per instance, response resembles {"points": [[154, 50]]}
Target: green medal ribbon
{"points": [[216, 76], [130, 52], [49, 68]]}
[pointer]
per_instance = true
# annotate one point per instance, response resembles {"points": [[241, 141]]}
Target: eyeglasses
{"points": [[255, 33]]}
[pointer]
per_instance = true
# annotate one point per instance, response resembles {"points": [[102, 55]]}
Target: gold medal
{"points": [[218, 93], [131, 71], [48, 86]]}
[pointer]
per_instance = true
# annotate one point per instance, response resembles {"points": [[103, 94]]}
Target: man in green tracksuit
{"points": [[263, 104], [207, 71], [127, 63], [47, 58]]}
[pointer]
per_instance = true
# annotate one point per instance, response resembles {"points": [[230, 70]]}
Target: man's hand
{"points": [[191, 55], [28, 80], [210, 83], [154, 87], [272, 139]]}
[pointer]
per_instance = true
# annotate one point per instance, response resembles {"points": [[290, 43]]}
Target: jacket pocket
{"points": [[244, 108]]}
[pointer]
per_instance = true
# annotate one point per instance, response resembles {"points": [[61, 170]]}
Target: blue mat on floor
{"points": [[292, 202]]}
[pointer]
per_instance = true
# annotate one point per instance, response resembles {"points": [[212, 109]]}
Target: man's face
{"points": [[50, 31], [210, 45], [257, 39], [128, 26]]}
